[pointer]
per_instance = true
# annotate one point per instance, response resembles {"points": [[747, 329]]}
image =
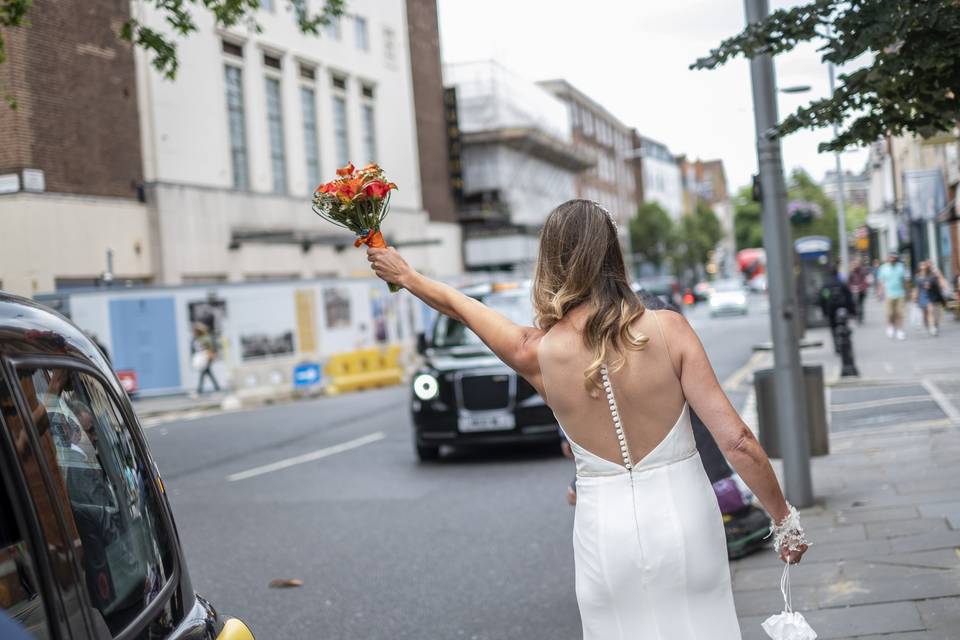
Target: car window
{"points": [[125, 551], [515, 305], [20, 597]]}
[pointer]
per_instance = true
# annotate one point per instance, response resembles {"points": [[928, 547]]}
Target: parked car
{"points": [[463, 395], [88, 546], [701, 291], [667, 288], [728, 297], [758, 284]]}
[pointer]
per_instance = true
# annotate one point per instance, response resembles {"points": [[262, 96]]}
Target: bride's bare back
{"points": [[648, 391]]}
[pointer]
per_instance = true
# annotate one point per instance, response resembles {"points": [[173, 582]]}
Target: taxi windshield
{"points": [[514, 305]]}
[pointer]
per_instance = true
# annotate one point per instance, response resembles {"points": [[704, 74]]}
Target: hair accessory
{"points": [[604, 209]]}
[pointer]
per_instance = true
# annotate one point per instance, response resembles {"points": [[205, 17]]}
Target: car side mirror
{"points": [[422, 343]]}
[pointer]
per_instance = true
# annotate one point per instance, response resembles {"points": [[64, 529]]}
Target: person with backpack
{"points": [[834, 296]]}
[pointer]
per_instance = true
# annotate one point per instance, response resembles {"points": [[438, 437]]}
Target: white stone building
{"points": [[519, 162], [662, 179], [234, 147]]}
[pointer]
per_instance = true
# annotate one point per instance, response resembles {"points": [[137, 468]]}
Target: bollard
{"points": [[843, 338]]}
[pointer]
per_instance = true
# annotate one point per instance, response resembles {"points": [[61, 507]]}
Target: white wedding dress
{"points": [[649, 544]]}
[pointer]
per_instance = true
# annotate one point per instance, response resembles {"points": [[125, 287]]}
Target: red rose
{"points": [[377, 189]]}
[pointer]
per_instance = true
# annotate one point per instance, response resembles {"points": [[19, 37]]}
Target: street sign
{"points": [[306, 374]]}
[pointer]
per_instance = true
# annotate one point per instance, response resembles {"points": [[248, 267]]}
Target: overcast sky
{"points": [[632, 56]]}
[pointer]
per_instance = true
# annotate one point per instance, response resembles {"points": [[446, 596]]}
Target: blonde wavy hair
{"points": [[579, 262]]}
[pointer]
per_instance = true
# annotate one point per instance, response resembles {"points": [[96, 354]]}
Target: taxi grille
{"points": [[485, 392]]}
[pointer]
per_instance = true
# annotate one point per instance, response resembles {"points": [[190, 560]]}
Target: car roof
{"points": [[28, 328]]}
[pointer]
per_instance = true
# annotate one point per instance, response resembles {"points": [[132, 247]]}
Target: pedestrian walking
{"points": [[930, 296], [599, 358], [891, 287], [859, 282], [836, 295], [204, 355]]}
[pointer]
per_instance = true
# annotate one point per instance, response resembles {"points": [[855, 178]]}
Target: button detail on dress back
{"points": [[615, 415]]}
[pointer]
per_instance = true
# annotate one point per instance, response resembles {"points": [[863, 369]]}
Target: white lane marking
{"points": [[941, 399], [307, 457]]}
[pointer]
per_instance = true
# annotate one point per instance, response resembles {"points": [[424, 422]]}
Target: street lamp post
{"points": [[789, 387], [841, 196]]}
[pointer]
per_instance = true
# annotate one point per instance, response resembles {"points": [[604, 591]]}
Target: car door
{"points": [[38, 590], [109, 502]]}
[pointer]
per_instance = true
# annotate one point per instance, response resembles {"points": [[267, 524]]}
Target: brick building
{"points": [[70, 169]]}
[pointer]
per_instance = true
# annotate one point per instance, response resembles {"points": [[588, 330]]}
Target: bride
{"points": [[648, 538]]}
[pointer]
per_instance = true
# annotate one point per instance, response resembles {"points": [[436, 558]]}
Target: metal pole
{"points": [[789, 387], [841, 195]]}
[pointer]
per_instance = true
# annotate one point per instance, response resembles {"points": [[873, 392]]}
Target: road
{"points": [[329, 492]]}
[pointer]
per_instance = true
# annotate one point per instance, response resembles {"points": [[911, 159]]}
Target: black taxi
{"points": [[88, 546], [464, 395]]}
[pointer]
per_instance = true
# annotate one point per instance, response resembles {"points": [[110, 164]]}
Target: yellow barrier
{"points": [[364, 369]]}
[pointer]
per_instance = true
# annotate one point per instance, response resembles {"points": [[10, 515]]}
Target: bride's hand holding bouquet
{"points": [[390, 266], [357, 200]]}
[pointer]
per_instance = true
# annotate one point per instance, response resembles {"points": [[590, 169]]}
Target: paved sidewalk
{"points": [[886, 530]]}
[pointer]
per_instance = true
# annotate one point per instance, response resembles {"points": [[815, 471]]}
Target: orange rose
{"points": [[347, 170]]}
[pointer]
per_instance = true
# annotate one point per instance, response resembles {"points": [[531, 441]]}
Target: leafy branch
{"points": [[178, 16], [912, 83]]}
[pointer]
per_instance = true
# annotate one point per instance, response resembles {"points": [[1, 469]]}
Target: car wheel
{"points": [[428, 453]]}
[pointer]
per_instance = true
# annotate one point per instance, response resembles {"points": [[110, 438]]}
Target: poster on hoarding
{"points": [[263, 344], [211, 314], [336, 306]]}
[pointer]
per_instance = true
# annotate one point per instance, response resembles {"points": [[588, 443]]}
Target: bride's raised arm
{"points": [[515, 344]]}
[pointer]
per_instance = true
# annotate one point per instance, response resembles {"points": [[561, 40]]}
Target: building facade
{"points": [[117, 173], [611, 181], [705, 181], [234, 148], [661, 178], [855, 187], [913, 197], [518, 162], [71, 198]]}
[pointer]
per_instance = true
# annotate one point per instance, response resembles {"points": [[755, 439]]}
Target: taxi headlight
{"points": [[426, 387]]}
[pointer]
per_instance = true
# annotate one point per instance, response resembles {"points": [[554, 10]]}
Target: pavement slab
{"points": [[848, 622]]}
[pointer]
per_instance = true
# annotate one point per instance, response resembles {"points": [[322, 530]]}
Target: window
{"points": [[587, 123], [237, 127], [273, 62], [333, 27], [113, 509], [308, 104], [369, 133], [19, 588], [389, 45], [360, 32], [278, 157], [341, 137], [232, 49], [307, 72]]}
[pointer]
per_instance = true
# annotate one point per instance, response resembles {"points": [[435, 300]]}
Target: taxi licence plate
{"points": [[487, 422]]}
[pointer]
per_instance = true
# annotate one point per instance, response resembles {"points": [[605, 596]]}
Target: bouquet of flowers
{"points": [[357, 200]]}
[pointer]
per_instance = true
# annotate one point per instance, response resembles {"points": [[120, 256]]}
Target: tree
{"points": [[912, 83], [802, 188], [696, 236], [178, 15], [747, 222], [651, 233]]}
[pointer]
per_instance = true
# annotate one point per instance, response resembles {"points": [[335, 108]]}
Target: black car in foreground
{"points": [[88, 546], [464, 395]]}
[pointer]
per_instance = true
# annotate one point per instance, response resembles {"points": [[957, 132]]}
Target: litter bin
{"points": [[816, 411]]}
